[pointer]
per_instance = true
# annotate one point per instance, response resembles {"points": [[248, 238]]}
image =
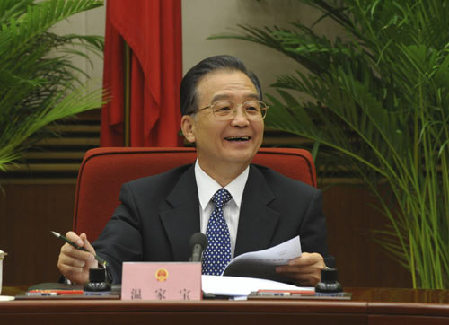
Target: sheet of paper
{"points": [[242, 286], [262, 263], [279, 254]]}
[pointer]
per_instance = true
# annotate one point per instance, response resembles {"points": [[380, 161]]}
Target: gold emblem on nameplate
{"points": [[161, 274]]}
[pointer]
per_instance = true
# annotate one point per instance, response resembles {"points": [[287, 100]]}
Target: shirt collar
{"points": [[207, 186]]}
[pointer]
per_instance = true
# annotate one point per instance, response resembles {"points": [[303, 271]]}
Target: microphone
{"points": [[198, 243]]}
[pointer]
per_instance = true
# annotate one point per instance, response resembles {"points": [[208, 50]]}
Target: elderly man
{"points": [[239, 206]]}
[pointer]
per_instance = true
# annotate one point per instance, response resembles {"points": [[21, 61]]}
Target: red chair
{"points": [[104, 170]]}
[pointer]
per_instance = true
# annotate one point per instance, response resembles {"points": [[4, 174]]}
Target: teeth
{"points": [[246, 138]]}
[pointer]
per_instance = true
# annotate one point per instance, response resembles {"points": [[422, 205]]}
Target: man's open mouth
{"points": [[245, 138]]}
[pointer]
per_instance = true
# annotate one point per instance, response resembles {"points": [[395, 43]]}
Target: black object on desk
{"points": [[329, 282], [97, 281]]}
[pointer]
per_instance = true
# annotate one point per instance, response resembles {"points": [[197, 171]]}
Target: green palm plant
{"points": [[379, 97], [38, 82]]}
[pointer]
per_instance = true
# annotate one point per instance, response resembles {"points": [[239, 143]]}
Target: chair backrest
{"points": [[104, 170]]}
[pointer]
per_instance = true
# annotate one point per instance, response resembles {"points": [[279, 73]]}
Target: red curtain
{"points": [[152, 30]]}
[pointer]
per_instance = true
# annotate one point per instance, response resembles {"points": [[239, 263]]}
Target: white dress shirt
{"points": [[207, 187]]}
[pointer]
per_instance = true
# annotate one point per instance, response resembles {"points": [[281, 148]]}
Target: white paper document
{"points": [[242, 286], [263, 263]]}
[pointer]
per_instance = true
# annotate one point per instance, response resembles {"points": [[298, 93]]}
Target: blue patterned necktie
{"points": [[218, 252]]}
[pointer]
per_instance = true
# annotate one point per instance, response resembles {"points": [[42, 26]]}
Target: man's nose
{"points": [[240, 118]]}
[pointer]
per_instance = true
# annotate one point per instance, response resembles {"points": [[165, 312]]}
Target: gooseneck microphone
{"points": [[198, 243]]}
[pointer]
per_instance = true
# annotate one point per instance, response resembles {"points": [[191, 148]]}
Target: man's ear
{"points": [[188, 128]]}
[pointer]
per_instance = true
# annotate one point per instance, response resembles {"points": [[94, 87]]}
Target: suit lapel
{"points": [[258, 221], [180, 215]]}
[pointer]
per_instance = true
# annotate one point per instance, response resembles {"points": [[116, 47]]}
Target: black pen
{"points": [[98, 258]]}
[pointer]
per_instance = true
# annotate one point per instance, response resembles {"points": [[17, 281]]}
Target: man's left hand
{"points": [[305, 270]]}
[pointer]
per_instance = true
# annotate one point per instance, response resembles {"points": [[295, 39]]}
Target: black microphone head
{"points": [[198, 238]]}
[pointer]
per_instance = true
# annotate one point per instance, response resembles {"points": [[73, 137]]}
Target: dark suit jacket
{"points": [[159, 213]]}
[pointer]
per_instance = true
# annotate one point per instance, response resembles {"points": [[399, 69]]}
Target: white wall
{"points": [[203, 18]]}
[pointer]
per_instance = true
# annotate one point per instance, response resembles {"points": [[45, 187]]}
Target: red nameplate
{"points": [[161, 281]]}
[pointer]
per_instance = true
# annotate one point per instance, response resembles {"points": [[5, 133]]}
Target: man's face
{"points": [[222, 143]]}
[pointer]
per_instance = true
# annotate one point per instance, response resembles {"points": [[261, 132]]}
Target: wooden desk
{"points": [[368, 306]]}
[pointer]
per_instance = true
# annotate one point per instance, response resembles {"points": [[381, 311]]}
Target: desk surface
{"points": [[368, 306]]}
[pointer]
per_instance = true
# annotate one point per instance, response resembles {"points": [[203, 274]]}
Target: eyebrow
{"points": [[228, 96]]}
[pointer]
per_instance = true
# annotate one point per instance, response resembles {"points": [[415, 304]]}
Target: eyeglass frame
{"points": [[234, 109]]}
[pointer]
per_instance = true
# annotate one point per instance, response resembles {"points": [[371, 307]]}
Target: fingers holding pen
{"points": [[69, 255], [77, 239], [80, 240], [74, 263], [86, 244], [86, 254]]}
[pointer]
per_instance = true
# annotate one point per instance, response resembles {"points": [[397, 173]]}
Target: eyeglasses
{"points": [[227, 110]]}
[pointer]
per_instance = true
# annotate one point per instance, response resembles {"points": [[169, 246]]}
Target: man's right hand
{"points": [[73, 263]]}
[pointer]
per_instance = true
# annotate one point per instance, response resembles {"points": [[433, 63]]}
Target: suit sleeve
{"points": [[121, 239], [313, 232]]}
